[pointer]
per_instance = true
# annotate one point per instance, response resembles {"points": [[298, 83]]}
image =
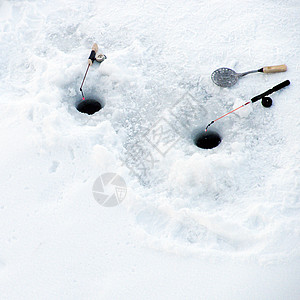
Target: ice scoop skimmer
{"points": [[226, 77]]}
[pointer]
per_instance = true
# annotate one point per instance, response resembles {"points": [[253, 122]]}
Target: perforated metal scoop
{"points": [[226, 77]]}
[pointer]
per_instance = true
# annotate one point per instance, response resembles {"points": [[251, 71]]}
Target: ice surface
{"points": [[196, 224]]}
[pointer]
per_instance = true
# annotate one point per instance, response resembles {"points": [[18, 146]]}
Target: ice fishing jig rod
{"points": [[266, 101], [93, 56], [91, 59]]}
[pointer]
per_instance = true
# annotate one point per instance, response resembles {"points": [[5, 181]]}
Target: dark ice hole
{"points": [[88, 106], [207, 139]]}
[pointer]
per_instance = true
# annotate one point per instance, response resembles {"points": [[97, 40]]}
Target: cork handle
{"points": [[275, 69], [95, 47], [93, 54]]}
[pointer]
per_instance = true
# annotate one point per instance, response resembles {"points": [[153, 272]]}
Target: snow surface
{"points": [[196, 224]]}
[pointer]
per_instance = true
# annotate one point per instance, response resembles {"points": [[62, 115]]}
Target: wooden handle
{"points": [[275, 69], [95, 47], [93, 54]]}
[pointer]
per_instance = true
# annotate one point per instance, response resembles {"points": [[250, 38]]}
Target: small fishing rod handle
{"points": [[93, 54], [280, 86], [272, 90], [273, 69]]}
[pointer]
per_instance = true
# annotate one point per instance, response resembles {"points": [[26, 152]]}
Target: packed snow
{"points": [[222, 223]]}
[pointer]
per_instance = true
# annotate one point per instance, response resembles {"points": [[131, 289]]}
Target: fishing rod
{"points": [[93, 56], [266, 101], [91, 59]]}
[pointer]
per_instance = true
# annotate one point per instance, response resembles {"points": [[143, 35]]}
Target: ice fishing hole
{"points": [[207, 139], [89, 106]]}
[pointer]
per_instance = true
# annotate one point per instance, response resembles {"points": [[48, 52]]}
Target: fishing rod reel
{"points": [[90, 106], [100, 58], [266, 102]]}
